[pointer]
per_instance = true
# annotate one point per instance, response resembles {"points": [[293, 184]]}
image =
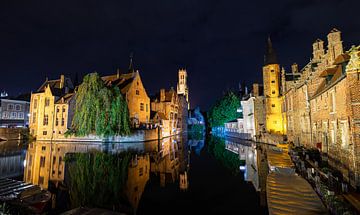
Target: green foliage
{"points": [[224, 110], [98, 179], [228, 159], [100, 110]]}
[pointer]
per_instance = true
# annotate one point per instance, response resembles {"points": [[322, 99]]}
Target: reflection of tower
{"points": [[182, 88], [184, 183]]}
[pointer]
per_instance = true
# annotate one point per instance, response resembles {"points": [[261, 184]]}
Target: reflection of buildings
{"points": [[167, 159], [138, 176], [255, 168], [45, 162], [11, 159]]}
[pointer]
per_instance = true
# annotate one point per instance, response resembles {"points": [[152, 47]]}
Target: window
{"points": [[57, 110], [273, 81], [141, 106], [147, 108], [35, 103], [62, 121], [272, 70], [273, 92], [137, 92], [273, 105], [10, 106], [141, 171], [17, 107], [30, 160], [56, 122], [42, 161], [5, 115], [34, 117], [46, 119], [332, 102], [21, 115], [44, 133], [63, 109], [13, 115], [43, 148], [47, 102]]}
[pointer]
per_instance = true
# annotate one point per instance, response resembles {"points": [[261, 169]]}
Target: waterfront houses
{"points": [[14, 112], [137, 99], [51, 108]]}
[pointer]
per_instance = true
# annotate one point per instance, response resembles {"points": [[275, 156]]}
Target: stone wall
{"points": [[12, 133]]}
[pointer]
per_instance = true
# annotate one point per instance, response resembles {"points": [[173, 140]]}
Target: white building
{"points": [[248, 116]]}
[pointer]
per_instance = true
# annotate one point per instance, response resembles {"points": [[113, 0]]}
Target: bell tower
{"points": [[182, 88], [273, 98]]}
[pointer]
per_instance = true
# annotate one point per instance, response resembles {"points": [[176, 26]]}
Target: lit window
{"points": [[47, 102], [46, 119], [42, 161], [35, 103]]}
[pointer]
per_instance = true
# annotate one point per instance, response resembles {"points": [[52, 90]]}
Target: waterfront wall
{"points": [[135, 136], [12, 133]]}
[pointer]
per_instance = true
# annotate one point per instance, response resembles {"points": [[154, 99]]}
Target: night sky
{"points": [[219, 42]]}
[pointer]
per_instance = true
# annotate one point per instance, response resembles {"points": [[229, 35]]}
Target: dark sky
{"points": [[219, 42]]}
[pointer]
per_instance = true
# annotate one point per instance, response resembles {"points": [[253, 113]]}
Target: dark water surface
{"points": [[173, 176]]}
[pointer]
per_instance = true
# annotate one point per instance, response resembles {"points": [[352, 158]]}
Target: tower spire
{"points": [[131, 64], [270, 55]]}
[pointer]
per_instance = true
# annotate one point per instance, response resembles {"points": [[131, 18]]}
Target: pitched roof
{"points": [[342, 58], [55, 86], [65, 99], [336, 75], [123, 81]]}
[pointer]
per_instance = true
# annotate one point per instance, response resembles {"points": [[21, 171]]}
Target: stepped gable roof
{"points": [[342, 58], [336, 76], [55, 86], [123, 81], [333, 74]]}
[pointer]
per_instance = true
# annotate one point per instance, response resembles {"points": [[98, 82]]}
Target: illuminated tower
{"points": [[182, 88], [273, 99]]}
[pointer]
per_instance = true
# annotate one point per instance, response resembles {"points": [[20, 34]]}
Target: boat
{"points": [[24, 195]]}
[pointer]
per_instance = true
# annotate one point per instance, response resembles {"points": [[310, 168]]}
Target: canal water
{"points": [[173, 176]]}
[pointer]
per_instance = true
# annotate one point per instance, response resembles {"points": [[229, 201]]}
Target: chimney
{"points": [[256, 90], [294, 68], [62, 81], [162, 95]]}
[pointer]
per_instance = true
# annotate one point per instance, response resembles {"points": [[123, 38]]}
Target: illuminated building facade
{"points": [[182, 87], [275, 121]]}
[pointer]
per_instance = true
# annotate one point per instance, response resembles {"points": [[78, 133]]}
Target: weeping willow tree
{"points": [[98, 179], [100, 110]]}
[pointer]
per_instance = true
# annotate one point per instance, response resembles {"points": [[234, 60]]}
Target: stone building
{"points": [[166, 106], [14, 112], [137, 99], [182, 87], [322, 101], [53, 96], [275, 120], [259, 110], [248, 107]]}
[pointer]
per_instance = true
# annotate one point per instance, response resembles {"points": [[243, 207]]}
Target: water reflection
{"points": [[254, 164], [12, 154], [168, 160]]}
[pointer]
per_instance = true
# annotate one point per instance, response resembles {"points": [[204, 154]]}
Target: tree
{"points": [[224, 110], [100, 110]]}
